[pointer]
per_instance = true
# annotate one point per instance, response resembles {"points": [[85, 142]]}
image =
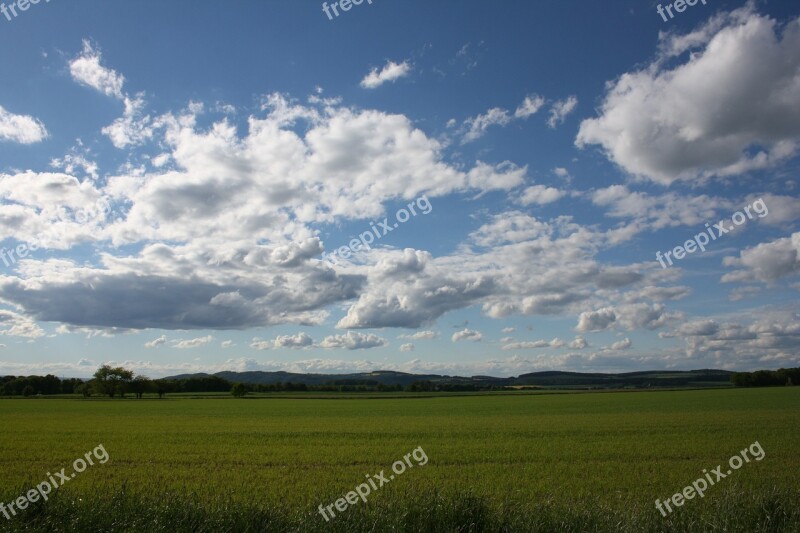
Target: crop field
{"points": [[517, 462]]}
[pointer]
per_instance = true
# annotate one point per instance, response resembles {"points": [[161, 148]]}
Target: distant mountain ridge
{"points": [[652, 378]]}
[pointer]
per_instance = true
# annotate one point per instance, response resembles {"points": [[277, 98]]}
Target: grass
{"points": [[511, 462]]}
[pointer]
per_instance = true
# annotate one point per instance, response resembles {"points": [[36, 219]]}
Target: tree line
{"points": [[767, 378], [108, 381], [117, 382]]}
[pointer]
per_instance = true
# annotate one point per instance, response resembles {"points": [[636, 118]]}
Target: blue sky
{"points": [[174, 172]]}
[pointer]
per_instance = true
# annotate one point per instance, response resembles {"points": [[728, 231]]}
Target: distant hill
{"points": [[653, 378], [550, 379]]}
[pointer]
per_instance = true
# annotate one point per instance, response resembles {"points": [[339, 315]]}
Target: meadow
{"points": [[507, 462]]}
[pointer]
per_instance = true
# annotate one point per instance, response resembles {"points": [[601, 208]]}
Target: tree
{"points": [[85, 389], [239, 390], [163, 386], [140, 385], [28, 391], [70, 385], [111, 381]]}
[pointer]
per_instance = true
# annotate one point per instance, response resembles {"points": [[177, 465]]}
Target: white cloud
{"points": [[596, 320], [530, 345], [407, 289], [22, 129], [660, 211], [193, 343], [389, 73], [156, 342], [760, 337], [353, 341], [766, 262], [475, 127], [420, 335], [227, 344], [87, 70], [561, 172], [623, 344], [540, 195], [560, 109], [467, 335], [301, 340], [408, 347], [579, 343], [529, 106], [133, 128], [667, 124], [200, 237], [16, 325], [259, 344]]}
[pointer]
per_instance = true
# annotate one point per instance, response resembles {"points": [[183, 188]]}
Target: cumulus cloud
{"points": [[420, 335], [579, 343], [134, 127], [353, 341], [389, 73], [22, 129], [596, 320], [250, 234], [771, 338], [540, 195], [659, 211], [766, 262], [408, 347], [224, 233], [260, 344], [16, 325], [301, 340], [406, 289], [156, 342], [193, 343], [87, 70], [623, 344], [467, 335], [666, 123], [627, 316], [529, 345]]}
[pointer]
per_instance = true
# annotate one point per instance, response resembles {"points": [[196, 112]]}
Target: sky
{"points": [[467, 188]]}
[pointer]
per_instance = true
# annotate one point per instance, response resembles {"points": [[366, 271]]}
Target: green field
{"points": [[513, 462]]}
